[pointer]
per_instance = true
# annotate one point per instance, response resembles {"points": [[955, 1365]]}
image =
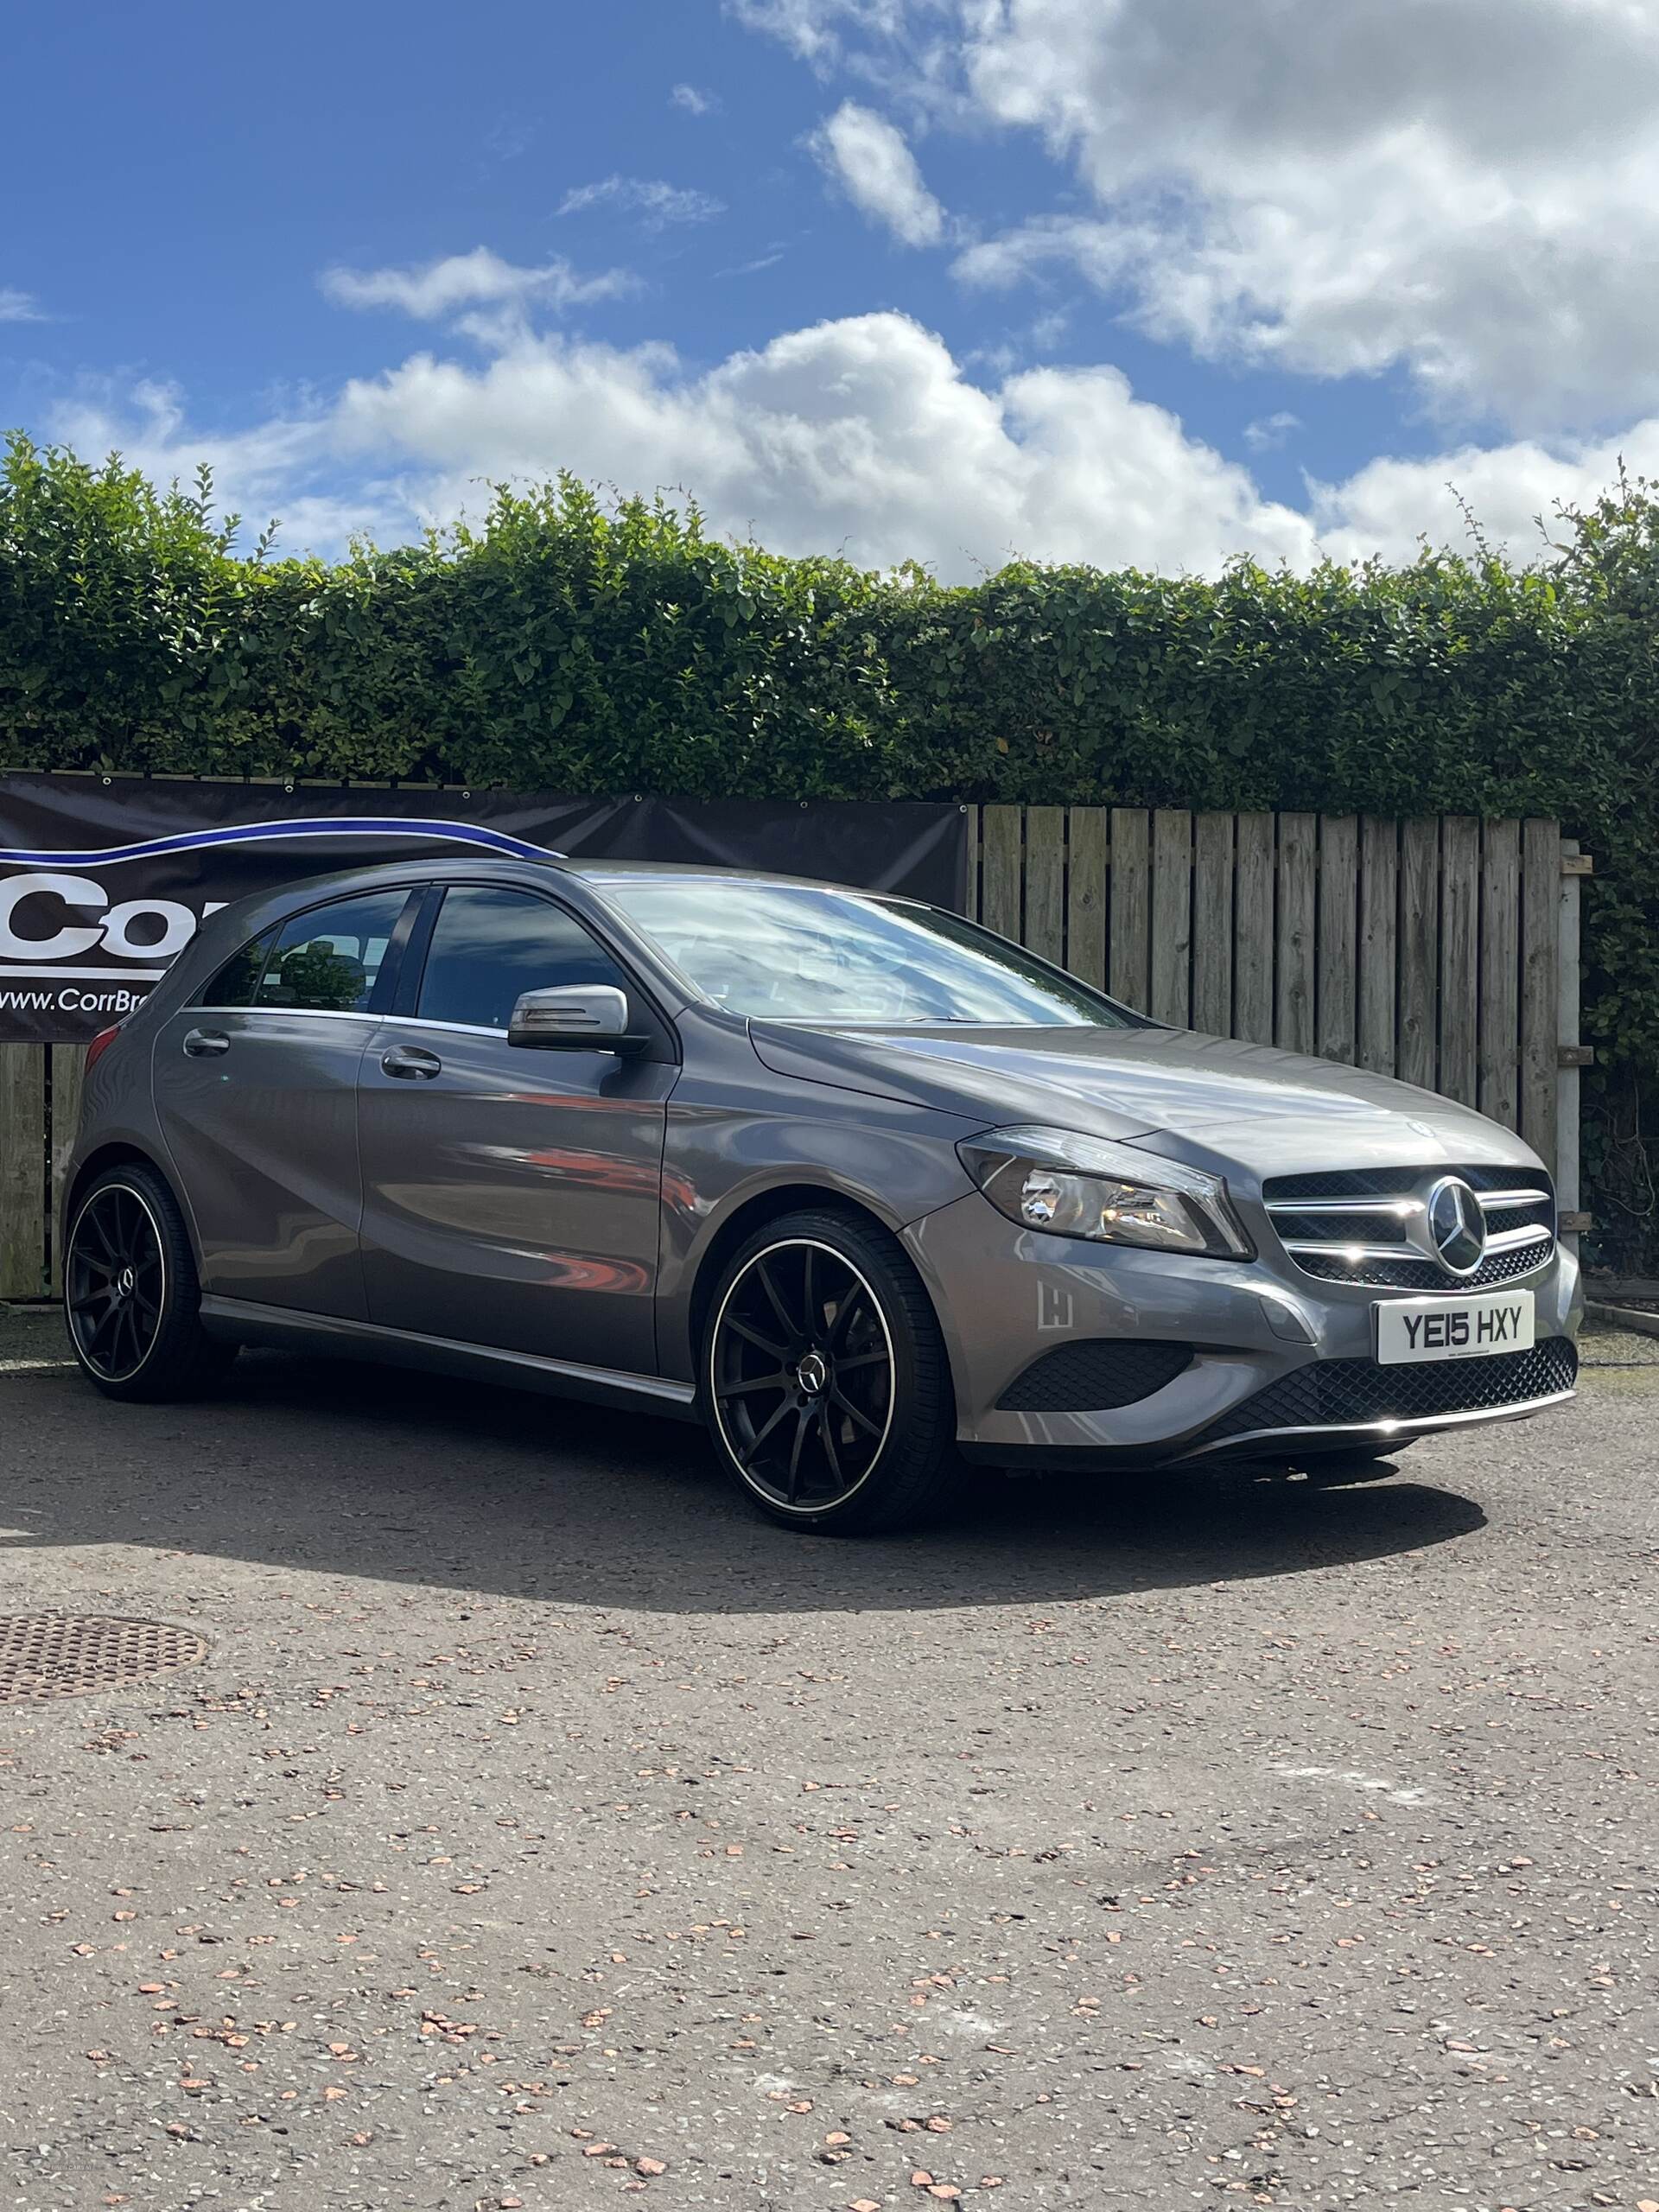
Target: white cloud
{"points": [[868, 157], [770, 259], [477, 279], [694, 99], [814, 27], [1508, 490], [863, 437], [654, 202], [19, 307], [1268, 432], [1468, 187]]}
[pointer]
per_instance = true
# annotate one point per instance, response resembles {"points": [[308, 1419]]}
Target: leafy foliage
{"points": [[568, 646]]}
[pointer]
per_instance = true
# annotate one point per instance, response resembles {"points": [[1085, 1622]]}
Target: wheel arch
{"points": [[736, 1228], [119, 1152]]}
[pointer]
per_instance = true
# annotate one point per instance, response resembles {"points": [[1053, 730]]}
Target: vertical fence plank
{"points": [[1540, 874], [68, 1070], [1337, 1003], [1131, 920], [1045, 931], [1420, 951], [1569, 985], [1213, 924], [976, 838], [1379, 901], [1500, 972], [1171, 917], [1085, 894], [22, 1171], [1460, 957], [1000, 863], [1253, 931], [1293, 1022]]}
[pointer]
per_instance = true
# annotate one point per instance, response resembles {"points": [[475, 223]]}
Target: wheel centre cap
{"points": [[123, 1283], [812, 1374]]}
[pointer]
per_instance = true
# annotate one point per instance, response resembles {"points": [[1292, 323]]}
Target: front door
{"points": [[512, 1194], [255, 1089]]}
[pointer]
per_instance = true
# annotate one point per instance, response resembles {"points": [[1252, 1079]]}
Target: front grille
{"points": [[1094, 1375], [1321, 1219], [1424, 1275], [1342, 1393]]}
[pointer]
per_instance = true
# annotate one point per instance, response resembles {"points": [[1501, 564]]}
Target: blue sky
{"points": [[1098, 279]]}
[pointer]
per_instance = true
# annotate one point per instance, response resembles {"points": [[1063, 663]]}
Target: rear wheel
{"points": [[130, 1292], [825, 1382]]}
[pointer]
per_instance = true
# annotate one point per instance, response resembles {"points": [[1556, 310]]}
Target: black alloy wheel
{"points": [[130, 1292], [825, 1377], [115, 1283]]}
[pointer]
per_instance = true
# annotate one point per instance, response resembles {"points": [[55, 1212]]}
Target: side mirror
{"points": [[574, 1017]]}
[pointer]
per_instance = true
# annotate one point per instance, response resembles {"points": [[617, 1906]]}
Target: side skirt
{"points": [[239, 1321]]}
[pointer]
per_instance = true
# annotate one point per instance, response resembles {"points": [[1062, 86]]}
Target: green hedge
{"points": [[569, 647]]}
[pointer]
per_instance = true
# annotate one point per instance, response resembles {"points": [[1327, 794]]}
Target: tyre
{"points": [[825, 1382], [131, 1294]]}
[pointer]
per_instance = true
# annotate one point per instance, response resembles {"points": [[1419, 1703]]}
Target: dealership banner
{"points": [[103, 882]]}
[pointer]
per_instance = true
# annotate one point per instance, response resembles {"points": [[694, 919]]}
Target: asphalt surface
{"points": [[543, 1830]]}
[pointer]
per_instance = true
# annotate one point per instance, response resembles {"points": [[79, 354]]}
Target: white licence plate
{"points": [[1476, 1327]]}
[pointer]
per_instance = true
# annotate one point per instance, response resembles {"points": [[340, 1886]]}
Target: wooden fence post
{"points": [[22, 1171]]}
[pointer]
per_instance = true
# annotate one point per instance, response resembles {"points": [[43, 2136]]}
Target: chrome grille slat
{"points": [[1363, 1226], [1510, 1240], [1337, 1251], [1402, 1208]]}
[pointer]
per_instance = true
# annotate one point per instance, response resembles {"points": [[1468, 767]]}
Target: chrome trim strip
{"points": [[420, 1021], [1402, 1209], [288, 1013], [371, 1332], [1501, 1240], [1383, 1430], [343, 1014]]}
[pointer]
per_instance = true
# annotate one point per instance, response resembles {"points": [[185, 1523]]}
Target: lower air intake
{"points": [[1339, 1393], [1093, 1376]]}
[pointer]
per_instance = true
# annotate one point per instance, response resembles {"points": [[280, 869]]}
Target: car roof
{"points": [[702, 871], [367, 874]]}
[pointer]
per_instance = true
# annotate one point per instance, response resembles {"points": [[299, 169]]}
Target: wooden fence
{"points": [[1432, 949]]}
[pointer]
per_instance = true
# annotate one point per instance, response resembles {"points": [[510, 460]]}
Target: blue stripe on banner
{"points": [[462, 833]]}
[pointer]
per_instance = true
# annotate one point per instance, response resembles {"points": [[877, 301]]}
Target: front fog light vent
{"points": [[1094, 1376]]}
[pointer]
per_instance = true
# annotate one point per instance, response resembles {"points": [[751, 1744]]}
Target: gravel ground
{"points": [[543, 1830]]}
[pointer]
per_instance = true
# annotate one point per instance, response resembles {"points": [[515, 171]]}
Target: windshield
{"points": [[783, 954]]}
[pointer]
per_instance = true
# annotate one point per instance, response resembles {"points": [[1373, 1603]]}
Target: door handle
{"points": [[410, 1063], [206, 1044]]}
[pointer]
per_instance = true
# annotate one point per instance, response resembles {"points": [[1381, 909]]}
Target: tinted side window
{"points": [[239, 979], [327, 960], [490, 946]]}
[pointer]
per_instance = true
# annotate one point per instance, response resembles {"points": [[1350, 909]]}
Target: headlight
{"points": [[1070, 1186]]}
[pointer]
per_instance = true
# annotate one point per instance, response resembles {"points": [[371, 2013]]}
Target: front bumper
{"points": [[1282, 1363]]}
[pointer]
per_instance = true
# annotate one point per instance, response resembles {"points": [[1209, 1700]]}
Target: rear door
{"points": [[511, 1195], [255, 1089]]}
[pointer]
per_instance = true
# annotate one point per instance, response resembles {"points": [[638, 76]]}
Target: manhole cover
{"points": [[65, 1655]]}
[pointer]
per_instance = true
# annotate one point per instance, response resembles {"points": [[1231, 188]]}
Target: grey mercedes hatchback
{"points": [[866, 1188]]}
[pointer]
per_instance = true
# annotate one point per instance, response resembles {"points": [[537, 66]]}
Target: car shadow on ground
{"points": [[322, 1466]]}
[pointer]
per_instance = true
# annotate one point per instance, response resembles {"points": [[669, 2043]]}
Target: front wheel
{"points": [[130, 1292], [825, 1382]]}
